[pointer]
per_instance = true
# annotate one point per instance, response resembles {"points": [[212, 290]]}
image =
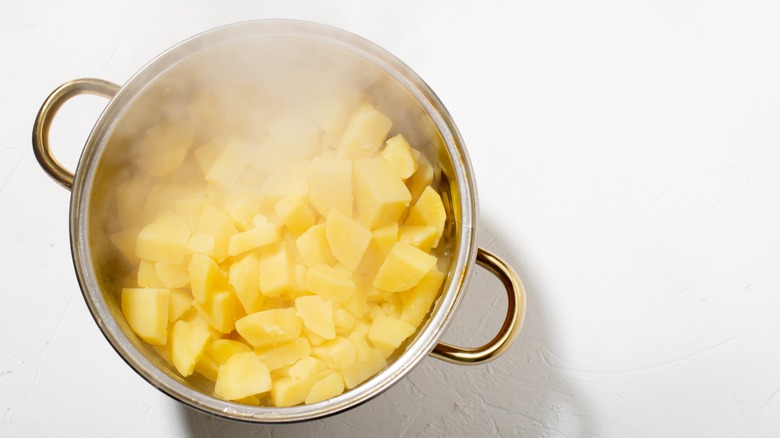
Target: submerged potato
{"points": [[287, 268]]}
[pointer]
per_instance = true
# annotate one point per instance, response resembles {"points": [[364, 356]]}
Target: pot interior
{"points": [[226, 84]]}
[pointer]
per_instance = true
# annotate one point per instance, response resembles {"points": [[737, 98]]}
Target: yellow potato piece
{"points": [[203, 273], [180, 303], [164, 240], [188, 340], [229, 164], [218, 225], [398, 154], [244, 278], [124, 241], [325, 388], [221, 310], [329, 283], [403, 268], [146, 311], [420, 236], [382, 241], [147, 275], [388, 333], [317, 315], [277, 273], [243, 375], [252, 239], [330, 184], [295, 214], [172, 276], [270, 327], [346, 238], [366, 129], [421, 178], [362, 370], [417, 301], [285, 354], [428, 211], [338, 353], [380, 195], [313, 247], [288, 391], [306, 367]]}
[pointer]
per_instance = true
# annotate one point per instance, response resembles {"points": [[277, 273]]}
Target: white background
{"points": [[627, 156]]}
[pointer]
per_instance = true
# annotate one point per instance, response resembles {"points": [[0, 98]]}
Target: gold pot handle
{"points": [[514, 318], [46, 114]]}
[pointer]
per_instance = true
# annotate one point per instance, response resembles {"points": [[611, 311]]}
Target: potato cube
{"points": [[190, 209], [288, 391], [188, 340], [253, 238], [163, 148], [360, 371], [270, 327], [201, 244], [366, 129], [206, 154], [286, 180], [243, 375], [295, 214], [124, 241], [180, 303], [241, 210], [230, 163], [344, 321], [220, 350], [306, 367], [131, 197], [420, 236], [221, 310], [207, 367], [339, 353], [329, 283], [399, 156], [382, 241], [317, 315], [277, 273], [244, 277], [313, 247], [172, 276], [203, 273], [325, 388], [297, 133], [164, 240], [147, 275], [346, 238], [285, 354], [146, 312], [269, 156], [421, 178], [215, 223], [417, 301], [428, 211], [388, 333], [356, 304], [380, 195], [330, 184], [403, 268]]}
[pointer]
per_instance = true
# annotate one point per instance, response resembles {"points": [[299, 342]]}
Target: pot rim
{"points": [[466, 227]]}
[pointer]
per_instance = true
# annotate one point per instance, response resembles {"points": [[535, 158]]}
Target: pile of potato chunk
{"points": [[284, 270]]}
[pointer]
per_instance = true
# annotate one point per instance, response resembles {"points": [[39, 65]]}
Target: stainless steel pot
{"points": [[100, 163]]}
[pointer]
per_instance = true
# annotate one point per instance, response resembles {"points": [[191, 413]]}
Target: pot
{"points": [[285, 43]]}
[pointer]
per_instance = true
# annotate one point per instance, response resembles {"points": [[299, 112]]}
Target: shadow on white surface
{"points": [[519, 394]]}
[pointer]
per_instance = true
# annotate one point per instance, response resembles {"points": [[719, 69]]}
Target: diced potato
{"points": [[207, 367], [417, 301], [188, 340], [287, 180], [343, 320], [329, 283], [227, 167], [295, 214], [296, 133], [172, 276], [243, 375], [124, 241], [420, 236], [403, 268], [356, 304], [203, 272], [215, 223], [180, 303], [420, 179], [220, 350], [388, 333], [360, 371], [190, 209], [131, 197], [428, 211], [366, 129], [244, 277], [331, 111], [269, 156], [221, 310], [339, 353], [164, 240], [313, 247], [206, 154], [147, 275], [380, 195], [285, 354], [382, 241], [288, 391], [398, 154], [241, 211], [277, 273], [317, 315], [346, 238], [201, 244], [325, 388], [330, 184], [306, 367], [253, 238], [146, 312], [270, 327], [163, 148]]}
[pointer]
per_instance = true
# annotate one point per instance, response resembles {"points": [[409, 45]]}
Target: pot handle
{"points": [[512, 323], [51, 105]]}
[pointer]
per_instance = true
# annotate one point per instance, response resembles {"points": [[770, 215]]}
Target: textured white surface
{"points": [[628, 164]]}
